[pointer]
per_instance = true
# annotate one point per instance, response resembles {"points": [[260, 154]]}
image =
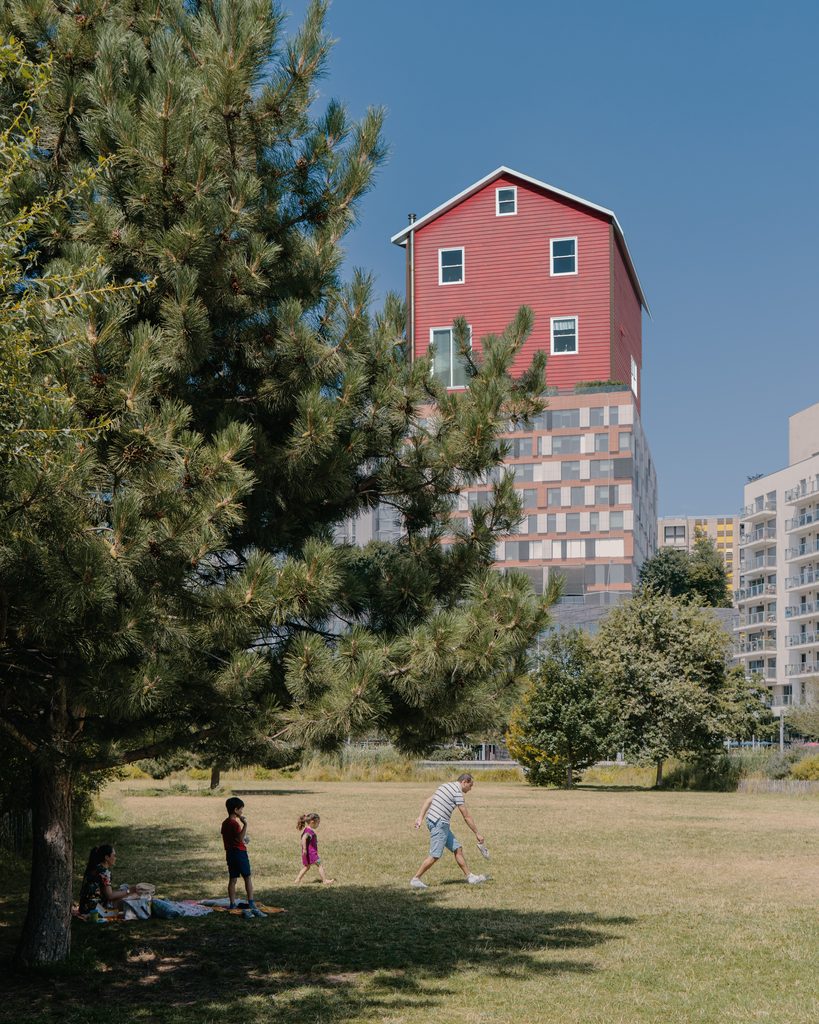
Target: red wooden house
{"points": [[510, 240]]}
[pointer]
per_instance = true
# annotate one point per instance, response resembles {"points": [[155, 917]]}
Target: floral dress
{"points": [[92, 891]]}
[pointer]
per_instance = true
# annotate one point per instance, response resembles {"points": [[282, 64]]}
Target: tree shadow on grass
{"points": [[595, 787], [338, 955], [184, 789], [247, 791]]}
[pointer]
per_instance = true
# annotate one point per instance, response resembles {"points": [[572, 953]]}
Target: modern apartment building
{"points": [[584, 468], [777, 629], [381, 523], [682, 532]]}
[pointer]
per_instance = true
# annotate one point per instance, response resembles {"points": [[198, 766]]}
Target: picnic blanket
{"points": [[141, 908], [223, 904], [166, 909]]}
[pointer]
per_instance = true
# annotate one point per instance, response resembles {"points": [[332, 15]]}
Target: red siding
{"points": [[507, 265], [626, 322]]}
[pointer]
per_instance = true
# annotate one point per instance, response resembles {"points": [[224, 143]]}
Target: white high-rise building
{"points": [[777, 629]]}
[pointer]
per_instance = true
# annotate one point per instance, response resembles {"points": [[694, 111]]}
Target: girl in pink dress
{"points": [[307, 825]]}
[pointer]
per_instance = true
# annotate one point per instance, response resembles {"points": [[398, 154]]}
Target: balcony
{"points": [[800, 611], [808, 669], [807, 549], [754, 619], [805, 521], [802, 492], [802, 639], [758, 510], [761, 535], [755, 646], [810, 578], [748, 593], [758, 565], [766, 672]]}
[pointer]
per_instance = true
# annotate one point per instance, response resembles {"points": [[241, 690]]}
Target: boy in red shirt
{"points": [[234, 836]]}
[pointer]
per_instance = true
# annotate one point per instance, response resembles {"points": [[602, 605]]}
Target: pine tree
{"points": [[171, 582], [28, 300], [19, 396]]}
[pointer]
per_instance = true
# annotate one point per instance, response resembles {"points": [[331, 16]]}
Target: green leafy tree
{"points": [[803, 719], [699, 574], [171, 582], [663, 662], [746, 710], [708, 575], [564, 722], [667, 572]]}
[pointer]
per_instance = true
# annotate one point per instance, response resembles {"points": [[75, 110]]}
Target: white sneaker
{"points": [[416, 883], [475, 879]]}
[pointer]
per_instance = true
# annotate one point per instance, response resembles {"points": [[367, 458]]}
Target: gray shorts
{"points": [[441, 837]]}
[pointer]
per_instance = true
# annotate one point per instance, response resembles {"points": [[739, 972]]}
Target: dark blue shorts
{"points": [[238, 863]]}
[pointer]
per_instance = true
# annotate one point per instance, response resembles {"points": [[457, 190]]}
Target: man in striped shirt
{"points": [[437, 812]]}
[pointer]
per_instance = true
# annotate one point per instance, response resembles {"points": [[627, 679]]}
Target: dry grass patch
{"points": [[605, 906]]}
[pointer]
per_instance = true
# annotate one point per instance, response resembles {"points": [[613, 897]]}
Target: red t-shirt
{"points": [[231, 831]]}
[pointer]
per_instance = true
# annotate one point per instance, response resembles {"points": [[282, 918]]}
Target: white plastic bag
{"points": [[137, 908]]}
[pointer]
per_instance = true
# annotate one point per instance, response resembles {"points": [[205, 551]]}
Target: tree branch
{"points": [[15, 733], [149, 750]]}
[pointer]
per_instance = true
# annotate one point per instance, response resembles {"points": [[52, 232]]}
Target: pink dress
{"points": [[310, 851]]}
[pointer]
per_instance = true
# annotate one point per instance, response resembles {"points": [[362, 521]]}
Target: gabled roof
{"points": [[401, 237]]}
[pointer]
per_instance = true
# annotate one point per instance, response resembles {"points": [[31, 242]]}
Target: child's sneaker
{"points": [[247, 914], [475, 879], [416, 883], [257, 913]]}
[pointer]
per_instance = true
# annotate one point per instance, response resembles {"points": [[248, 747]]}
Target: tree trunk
{"points": [[569, 779], [659, 780], [46, 937], [215, 777]]}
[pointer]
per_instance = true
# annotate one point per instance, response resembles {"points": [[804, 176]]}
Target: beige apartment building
{"points": [[682, 532], [588, 488], [777, 628]]}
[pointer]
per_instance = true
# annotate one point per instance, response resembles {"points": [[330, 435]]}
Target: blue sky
{"points": [[696, 123]]}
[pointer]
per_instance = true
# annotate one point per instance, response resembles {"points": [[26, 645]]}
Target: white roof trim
{"points": [[401, 237]]}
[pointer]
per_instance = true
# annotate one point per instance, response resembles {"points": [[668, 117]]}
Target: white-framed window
{"points": [[448, 365], [564, 335], [506, 201], [564, 256], [634, 376], [451, 266]]}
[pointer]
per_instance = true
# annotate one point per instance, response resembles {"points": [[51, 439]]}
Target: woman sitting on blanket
{"points": [[96, 892]]}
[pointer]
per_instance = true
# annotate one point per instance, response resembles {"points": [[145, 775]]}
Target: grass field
{"points": [[605, 907]]}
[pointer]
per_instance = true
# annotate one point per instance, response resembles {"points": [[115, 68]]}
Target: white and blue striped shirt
{"points": [[444, 801]]}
